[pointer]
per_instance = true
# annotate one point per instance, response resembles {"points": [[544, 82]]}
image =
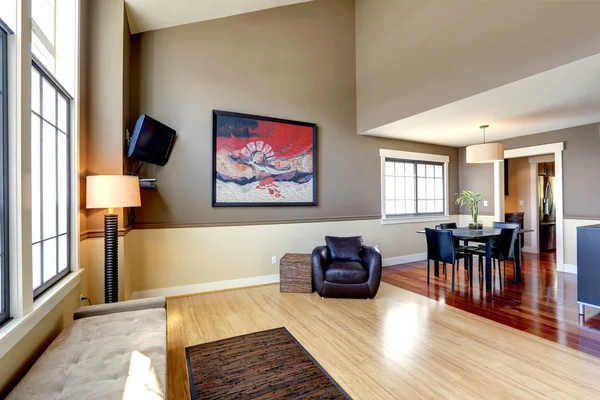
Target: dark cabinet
{"points": [[546, 169], [517, 218], [547, 236], [588, 266]]}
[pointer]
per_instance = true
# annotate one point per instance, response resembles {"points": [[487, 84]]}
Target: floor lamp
{"points": [[112, 191]]}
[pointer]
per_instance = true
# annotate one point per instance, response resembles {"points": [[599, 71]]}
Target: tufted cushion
{"points": [[344, 248], [115, 356], [346, 272]]}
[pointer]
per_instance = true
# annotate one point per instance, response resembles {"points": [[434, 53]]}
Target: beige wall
{"points": [[20, 358], [162, 258], [103, 84], [571, 239], [519, 189], [92, 257], [293, 62], [415, 55]]}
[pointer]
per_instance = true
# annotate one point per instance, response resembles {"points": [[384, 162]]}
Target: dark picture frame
{"points": [[257, 157]]}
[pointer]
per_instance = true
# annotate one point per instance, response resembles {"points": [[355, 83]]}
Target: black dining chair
{"points": [[462, 252], [503, 250], [509, 225], [440, 247], [449, 225]]}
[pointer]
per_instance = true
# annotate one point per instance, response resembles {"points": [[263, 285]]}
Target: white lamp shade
{"points": [[112, 191], [485, 153]]}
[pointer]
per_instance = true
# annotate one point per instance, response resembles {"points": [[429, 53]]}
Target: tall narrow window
{"points": [[50, 191], [4, 282]]}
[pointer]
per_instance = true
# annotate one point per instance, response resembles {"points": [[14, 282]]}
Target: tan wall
{"points": [[580, 166], [571, 238], [415, 55], [162, 258], [478, 178], [20, 358], [519, 189], [293, 62], [103, 86], [580, 159], [92, 257]]}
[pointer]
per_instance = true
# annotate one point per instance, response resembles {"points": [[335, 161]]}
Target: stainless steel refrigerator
{"points": [[547, 212]]}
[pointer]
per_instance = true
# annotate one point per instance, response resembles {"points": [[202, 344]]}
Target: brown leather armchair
{"points": [[346, 268]]}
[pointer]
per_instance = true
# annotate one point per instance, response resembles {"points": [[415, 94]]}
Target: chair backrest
{"points": [[509, 225], [440, 245], [506, 242], [449, 225]]}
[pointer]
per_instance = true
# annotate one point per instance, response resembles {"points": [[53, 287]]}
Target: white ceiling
{"points": [[148, 15], [560, 98]]}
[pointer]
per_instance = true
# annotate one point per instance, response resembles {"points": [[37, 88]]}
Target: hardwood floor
{"points": [[543, 304], [400, 345]]}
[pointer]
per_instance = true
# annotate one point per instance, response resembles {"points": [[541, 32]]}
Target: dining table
{"points": [[486, 236]]}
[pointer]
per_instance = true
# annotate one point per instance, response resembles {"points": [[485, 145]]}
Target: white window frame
{"points": [[412, 156], [26, 312]]}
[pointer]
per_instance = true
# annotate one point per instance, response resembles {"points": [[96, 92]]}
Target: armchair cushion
{"points": [[344, 248], [346, 272]]}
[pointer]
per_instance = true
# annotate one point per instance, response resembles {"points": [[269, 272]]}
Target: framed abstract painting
{"points": [[263, 161]]}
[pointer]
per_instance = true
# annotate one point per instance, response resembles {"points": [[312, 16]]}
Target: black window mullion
{"points": [[42, 242], [4, 265], [56, 175], [415, 166], [58, 90], [68, 211]]}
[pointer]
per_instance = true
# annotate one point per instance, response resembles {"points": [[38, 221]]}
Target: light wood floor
{"points": [[399, 346]]}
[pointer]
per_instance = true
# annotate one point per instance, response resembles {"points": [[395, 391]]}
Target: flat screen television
{"points": [[151, 141]]}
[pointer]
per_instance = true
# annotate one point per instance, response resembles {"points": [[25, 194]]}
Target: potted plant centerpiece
{"points": [[472, 199]]}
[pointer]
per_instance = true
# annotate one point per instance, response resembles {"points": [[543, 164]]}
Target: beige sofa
{"points": [[111, 351]]}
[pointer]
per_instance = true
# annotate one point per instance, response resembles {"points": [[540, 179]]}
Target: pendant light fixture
{"points": [[485, 152]]}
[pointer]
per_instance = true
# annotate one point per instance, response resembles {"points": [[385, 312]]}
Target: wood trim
{"points": [[98, 233], [179, 296], [172, 225]]}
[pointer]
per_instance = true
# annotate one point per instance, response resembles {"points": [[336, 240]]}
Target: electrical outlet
{"points": [[521, 202], [485, 203], [274, 260]]}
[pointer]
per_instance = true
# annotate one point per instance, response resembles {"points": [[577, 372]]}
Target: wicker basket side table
{"points": [[296, 273]]}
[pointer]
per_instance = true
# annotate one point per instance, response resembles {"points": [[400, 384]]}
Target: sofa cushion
{"points": [[346, 272], [344, 248], [115, 356]]}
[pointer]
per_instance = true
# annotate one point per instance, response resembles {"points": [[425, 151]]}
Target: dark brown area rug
{"points": [[263, 365]]}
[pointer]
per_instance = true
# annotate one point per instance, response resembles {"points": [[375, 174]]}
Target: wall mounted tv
{"points": [[151, 141]]}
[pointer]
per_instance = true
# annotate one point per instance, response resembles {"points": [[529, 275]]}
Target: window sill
{"points": [[17, 328], [412, 220]]}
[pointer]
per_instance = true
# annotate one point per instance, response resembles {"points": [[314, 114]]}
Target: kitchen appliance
{"points": [[546, 206]]}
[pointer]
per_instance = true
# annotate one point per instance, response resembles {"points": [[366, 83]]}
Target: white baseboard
{"points": [[386, 262], [570, 268], [206, 287], [528, 249]]}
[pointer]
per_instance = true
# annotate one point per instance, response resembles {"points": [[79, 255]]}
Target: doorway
{"points": [[536, 154]]}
